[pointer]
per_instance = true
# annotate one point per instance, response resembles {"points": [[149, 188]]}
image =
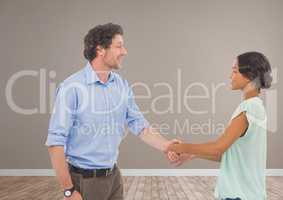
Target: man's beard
{"points": [[116, 66]]}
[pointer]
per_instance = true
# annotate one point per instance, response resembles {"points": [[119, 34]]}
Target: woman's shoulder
{"points": [[254, 108]]}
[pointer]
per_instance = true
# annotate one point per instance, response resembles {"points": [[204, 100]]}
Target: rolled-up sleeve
{"points": [[135, 120], [62, 117]]}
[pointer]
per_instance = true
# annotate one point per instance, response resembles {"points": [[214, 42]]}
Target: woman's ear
{"points": [[247, 80]]}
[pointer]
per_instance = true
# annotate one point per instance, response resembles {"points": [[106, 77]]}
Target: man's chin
{"points": [[117, 67]]}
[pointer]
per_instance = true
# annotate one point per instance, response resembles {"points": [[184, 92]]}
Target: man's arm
{"points": [[60, 122], [155, 139], [138, 125], [60, 166]]}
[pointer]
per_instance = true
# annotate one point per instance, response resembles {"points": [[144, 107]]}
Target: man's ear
{"points": [[100, 50]]}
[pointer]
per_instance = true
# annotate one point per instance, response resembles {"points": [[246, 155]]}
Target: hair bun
{"points": [[267, 80]]}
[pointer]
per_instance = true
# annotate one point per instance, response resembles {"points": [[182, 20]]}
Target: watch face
{"points": [[68, 193]]}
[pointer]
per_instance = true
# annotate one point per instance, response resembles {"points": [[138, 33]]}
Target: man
{"points": [[87, 125]]}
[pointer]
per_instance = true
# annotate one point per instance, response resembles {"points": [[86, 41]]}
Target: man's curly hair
{"points": [[100, 35]]}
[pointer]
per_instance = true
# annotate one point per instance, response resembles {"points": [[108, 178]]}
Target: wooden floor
{"points": [[192, 188]]}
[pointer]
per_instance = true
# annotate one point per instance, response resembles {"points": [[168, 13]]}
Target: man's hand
{"points": [[75, 196], [171, 156], [154, 139], [169, 143], [174, 158]]}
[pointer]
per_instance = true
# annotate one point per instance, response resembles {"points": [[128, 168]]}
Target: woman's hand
{"points": [[177, 148]]}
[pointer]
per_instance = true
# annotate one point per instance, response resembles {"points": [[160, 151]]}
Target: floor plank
{"points": [[136, 188]]}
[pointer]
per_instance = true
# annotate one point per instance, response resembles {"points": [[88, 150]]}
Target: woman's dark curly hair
{"points": [[100, 35], [255, 67]]}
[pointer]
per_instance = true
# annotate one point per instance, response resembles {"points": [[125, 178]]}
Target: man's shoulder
{"points": [[77, 77]]}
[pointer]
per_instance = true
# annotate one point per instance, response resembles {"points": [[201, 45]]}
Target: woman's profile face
{"points": [[238, 81]]}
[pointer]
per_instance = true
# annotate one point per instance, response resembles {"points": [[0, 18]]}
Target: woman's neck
{"points": [[250, 91]]}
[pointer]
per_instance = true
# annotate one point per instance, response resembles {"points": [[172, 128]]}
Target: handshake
{"points": [[173, 149]]}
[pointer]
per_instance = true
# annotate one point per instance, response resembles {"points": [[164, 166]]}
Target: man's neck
{"points": [[101, 70]]}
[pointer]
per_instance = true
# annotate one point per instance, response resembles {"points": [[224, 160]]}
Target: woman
{"points": [[241, 149]]}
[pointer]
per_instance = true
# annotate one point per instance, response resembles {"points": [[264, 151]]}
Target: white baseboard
{"points": [[27, 172], [134, 172], [170, 172]]}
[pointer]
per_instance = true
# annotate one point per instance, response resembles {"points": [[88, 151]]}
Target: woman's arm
{"points": [[187, 157], [211, 158], [215, 149]]}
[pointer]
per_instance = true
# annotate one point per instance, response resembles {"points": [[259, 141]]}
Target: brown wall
{"points": [[198, 39]]}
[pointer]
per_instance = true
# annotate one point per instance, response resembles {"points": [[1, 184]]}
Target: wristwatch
{"points": [[69, 192]]}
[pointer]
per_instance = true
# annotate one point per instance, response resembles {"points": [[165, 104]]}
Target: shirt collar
{"points": [[91, 75]]}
